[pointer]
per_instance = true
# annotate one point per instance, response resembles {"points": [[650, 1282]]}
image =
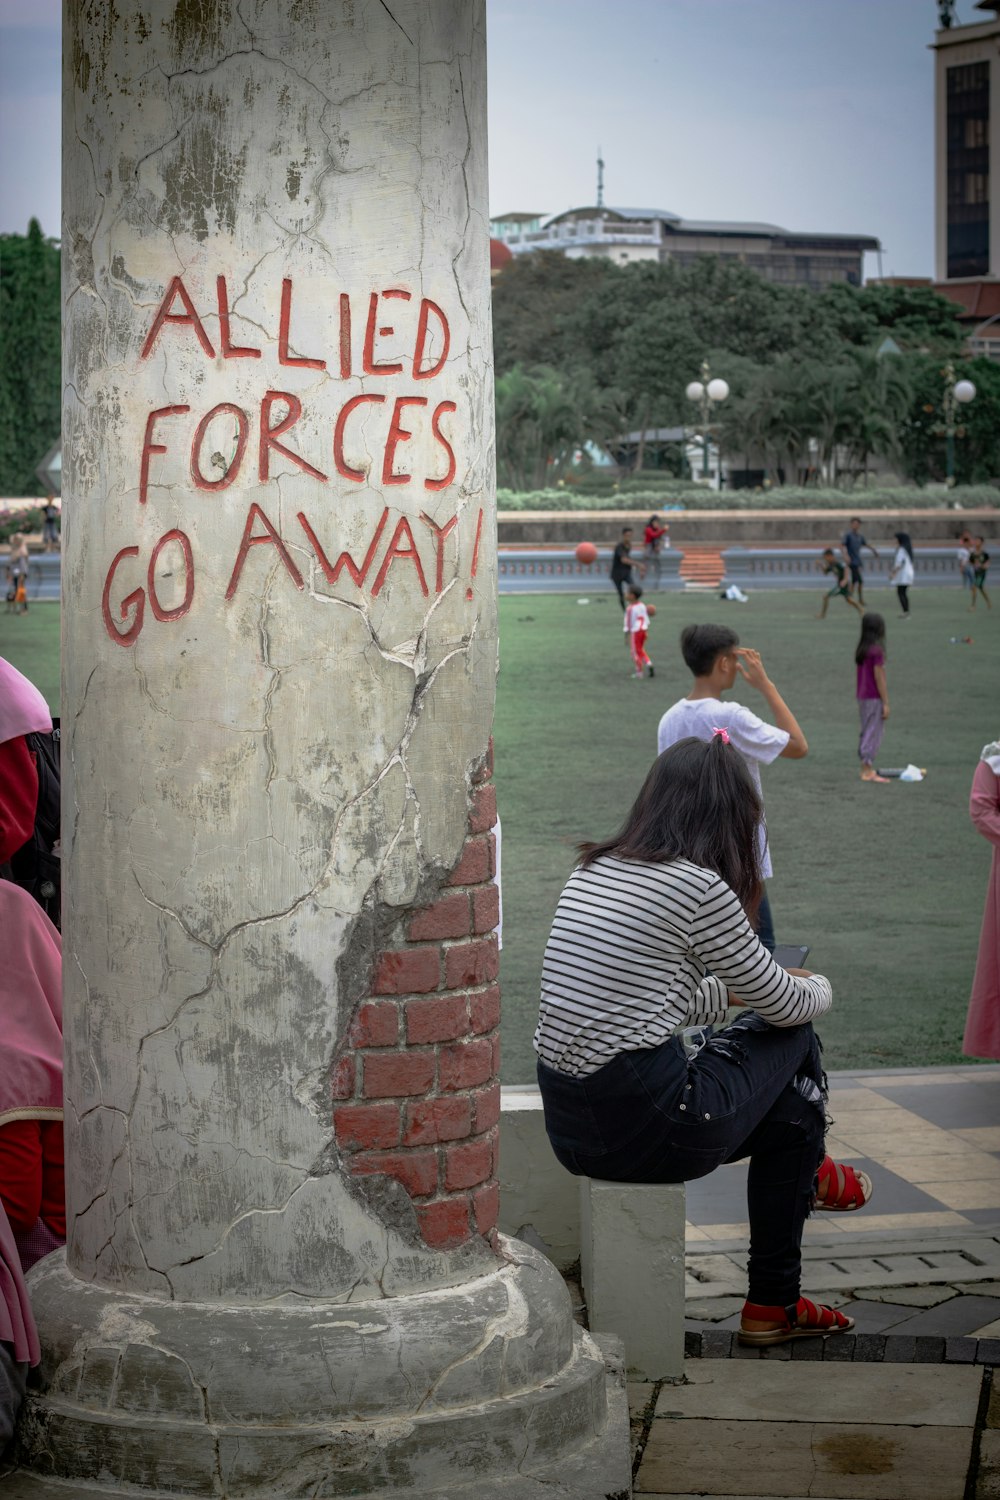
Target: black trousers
{"points": [[658, 1116], [902, 590]]}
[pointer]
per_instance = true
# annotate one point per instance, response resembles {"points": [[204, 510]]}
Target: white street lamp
{"points": [[705, 392]]}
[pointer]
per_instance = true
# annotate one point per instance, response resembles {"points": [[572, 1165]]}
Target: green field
{"points": [[886, 883]]}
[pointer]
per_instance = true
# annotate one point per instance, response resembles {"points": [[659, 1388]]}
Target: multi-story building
{"points": [[628, 234], [966, 145]]}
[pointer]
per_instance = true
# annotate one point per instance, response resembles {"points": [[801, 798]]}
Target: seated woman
{"points": [[653, 932], [18, 1337]]}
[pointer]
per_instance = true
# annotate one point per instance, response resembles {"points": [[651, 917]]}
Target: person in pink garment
{"points": [[19, 1348], [982, 1026]]}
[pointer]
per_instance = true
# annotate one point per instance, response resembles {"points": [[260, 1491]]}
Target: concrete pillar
{"points": [[283, 1274]]}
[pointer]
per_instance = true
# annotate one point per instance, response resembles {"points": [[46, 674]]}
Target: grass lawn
{"points": [[886, 883]]}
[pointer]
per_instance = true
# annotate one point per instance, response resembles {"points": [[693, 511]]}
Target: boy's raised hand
{"points": [[750, 667]]}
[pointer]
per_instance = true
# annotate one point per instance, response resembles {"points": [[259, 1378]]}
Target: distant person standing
{"points": [[18, 563], [982, 1027], [715, 659], [965, 545], [980, 560], [657, 537], [621, 563], [851, 545], [872, 693], [902, 572], [50, 530]]}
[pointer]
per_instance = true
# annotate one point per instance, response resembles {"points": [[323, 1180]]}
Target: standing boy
{"points": [[851, 545], [980, 560], [621, 563], [715, 659], [831, 564], [637, 628]]}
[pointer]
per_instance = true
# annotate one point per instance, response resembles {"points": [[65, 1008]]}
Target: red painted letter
{"points": [[368, 363], [185, 604], [148, 446], [345, 336], [441, 484], [398, 434], [268, 434], [284, 358], [402, 529], [270, 539], [440, 532], [343, 467], [188, 316], [136, 600], [242, 429], [426, 306], [345, 560], [227, 349]]}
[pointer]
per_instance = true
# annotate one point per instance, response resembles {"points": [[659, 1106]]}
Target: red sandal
{"points": [[802, 1320], [846, 1189]]}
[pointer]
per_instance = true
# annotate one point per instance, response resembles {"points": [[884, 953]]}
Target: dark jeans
{"points": [[765, 923], [659, 1116], [902, 590], [621, 583]]}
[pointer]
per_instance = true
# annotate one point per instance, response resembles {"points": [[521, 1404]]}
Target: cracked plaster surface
{"points": [[253, 788]]}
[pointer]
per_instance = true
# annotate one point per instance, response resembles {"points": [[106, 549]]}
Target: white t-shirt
{"points": [[902, 568], [757, 742], [636, 618]]}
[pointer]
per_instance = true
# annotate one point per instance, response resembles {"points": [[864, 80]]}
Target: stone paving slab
{"points": [[822, 1460], [915, 1395]]}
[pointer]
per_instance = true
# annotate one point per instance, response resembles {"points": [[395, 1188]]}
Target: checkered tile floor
{"points": [[930, 1141]]}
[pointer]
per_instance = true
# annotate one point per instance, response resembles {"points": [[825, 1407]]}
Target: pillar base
{"points": [[484, 1388]]}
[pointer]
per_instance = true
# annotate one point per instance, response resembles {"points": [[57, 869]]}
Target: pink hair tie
{"points": [[723, 735]]}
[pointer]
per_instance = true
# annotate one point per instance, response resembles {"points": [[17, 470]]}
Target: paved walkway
{"points": [[904, 1408]]}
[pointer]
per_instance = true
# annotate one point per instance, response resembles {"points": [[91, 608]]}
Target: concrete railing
{"points": [[798, 567], [44, 570], [551, 570]]}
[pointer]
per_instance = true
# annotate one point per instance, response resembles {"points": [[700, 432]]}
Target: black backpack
{"points": [[35, 866]]}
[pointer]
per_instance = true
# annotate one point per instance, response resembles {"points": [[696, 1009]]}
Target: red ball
{"points": [[586, 553], [651, 610]]}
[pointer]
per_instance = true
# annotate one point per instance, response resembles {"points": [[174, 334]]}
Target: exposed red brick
{"points": [[387, 1075], [433, 1120], [416, 1170], [474, 865], [441, 1019], [496, 1056], [486, 1206], [485, 908], [483, 813], [472, 963], [484, 1009], [445, 1224], [486, 769], [447, 918], [342, 1078], [367, 1125], [375, 1025], [407, 971], [487, 1107], [468, 1164], [491, 849], [465, 1065]]}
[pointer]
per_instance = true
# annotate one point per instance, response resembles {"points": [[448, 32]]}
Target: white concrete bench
{"points": [[628, 1237], [632, 1269]]}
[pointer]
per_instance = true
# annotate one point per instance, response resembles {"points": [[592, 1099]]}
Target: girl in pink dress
{"points": [[982, 1027]]}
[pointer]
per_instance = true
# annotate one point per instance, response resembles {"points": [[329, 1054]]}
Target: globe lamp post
{"points": [[956, 393], [706, 392]]}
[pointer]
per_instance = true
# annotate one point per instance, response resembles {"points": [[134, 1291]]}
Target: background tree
{"points": [[29, 357]]}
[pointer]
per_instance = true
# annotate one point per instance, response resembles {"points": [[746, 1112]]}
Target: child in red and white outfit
{"points": [[636, 628]]}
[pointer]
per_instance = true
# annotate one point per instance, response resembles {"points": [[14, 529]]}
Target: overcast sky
{"points": [[811, 114]]}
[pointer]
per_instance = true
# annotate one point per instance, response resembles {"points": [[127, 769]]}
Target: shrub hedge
{"points": [[678, 496]]}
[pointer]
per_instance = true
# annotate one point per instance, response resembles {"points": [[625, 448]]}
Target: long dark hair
{"points": [[698, 803], [872, 634], [903, 538]]}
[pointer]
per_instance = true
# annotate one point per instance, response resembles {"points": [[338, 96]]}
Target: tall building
{"points": [[966, 145], [628, 234]]}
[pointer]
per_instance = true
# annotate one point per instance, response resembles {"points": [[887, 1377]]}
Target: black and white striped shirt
{"points": [[627, 959]]}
